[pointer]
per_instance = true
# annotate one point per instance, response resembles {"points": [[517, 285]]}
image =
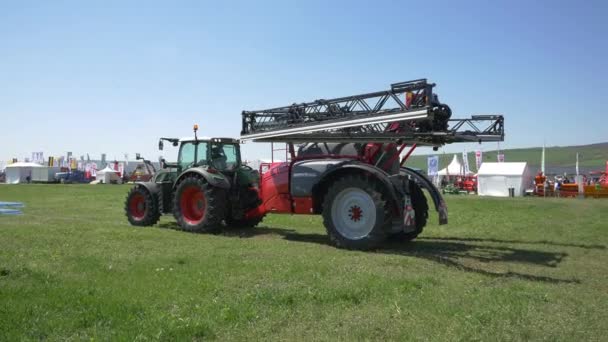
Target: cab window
{"points": [[186, 154], [224, 157]]}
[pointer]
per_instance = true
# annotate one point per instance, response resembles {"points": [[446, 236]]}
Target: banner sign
{"points": [[93, 169], [433, 165], [465, 162], [63, 162], [121, 169], [38, 157], [478, 159]]}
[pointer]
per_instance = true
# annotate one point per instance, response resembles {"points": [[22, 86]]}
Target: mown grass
{"points": [[71, 268]]}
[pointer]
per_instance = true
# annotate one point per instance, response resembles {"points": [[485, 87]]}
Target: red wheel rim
{"points": [[355, 213], [193, 203], [137, 207]]}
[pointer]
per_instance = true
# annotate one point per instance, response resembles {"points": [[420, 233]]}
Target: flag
{"points": [[465, 162], [542, 161], [121, 169], [93, 169], [38, 157], [501, 157], [432, 165], [478, 159]]}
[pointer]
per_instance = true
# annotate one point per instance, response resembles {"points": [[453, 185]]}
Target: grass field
{"points": [[71, 268]]}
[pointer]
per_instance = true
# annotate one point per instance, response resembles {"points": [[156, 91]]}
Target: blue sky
{"points": [[113, 76]]}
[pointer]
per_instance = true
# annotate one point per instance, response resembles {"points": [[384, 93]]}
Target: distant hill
{"points": [[560, 159]]}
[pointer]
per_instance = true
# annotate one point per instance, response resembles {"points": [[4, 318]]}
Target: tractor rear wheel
{"points": [[355, 213], [141, 207], [198, 206], [421, 212]]}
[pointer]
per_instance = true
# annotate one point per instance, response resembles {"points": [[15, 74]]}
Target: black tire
{"points": [[421, 210], [371, 233], [141, 207], [244, 223], [198, 206]]}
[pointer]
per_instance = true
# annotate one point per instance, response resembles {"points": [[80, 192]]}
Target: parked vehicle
{"points": [[143, 172], [348, 169]]}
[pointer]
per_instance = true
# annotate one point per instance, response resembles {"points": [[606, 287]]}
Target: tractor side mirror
{"points": [[137, 156], [160, 145]]}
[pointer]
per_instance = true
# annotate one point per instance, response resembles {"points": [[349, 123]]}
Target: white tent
{"points": [[44, 174], [454, 169], [495, 179], [19, 172], [108, 176]]}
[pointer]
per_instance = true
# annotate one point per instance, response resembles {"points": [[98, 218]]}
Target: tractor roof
{"points": [[220, 140]]}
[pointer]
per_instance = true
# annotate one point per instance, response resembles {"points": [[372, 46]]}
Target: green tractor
{"points": [[206, 187]]}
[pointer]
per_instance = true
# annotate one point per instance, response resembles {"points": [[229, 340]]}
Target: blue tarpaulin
{"points": [[4, 211], [11, 204], [8, 208]]}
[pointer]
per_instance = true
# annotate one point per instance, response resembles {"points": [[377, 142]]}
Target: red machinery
{"points": [[355, 141], [348, 167]]}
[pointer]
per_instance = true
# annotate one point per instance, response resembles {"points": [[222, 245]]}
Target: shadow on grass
{"points": [[451, 252], [539, 242], [464, 256]]}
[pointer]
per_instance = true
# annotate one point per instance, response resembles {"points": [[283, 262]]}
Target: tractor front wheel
{"points": [[198, 206], [141, 207]]}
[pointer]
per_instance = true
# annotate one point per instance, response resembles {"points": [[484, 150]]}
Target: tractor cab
{"points": [[215, 158], [216, 154]]}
